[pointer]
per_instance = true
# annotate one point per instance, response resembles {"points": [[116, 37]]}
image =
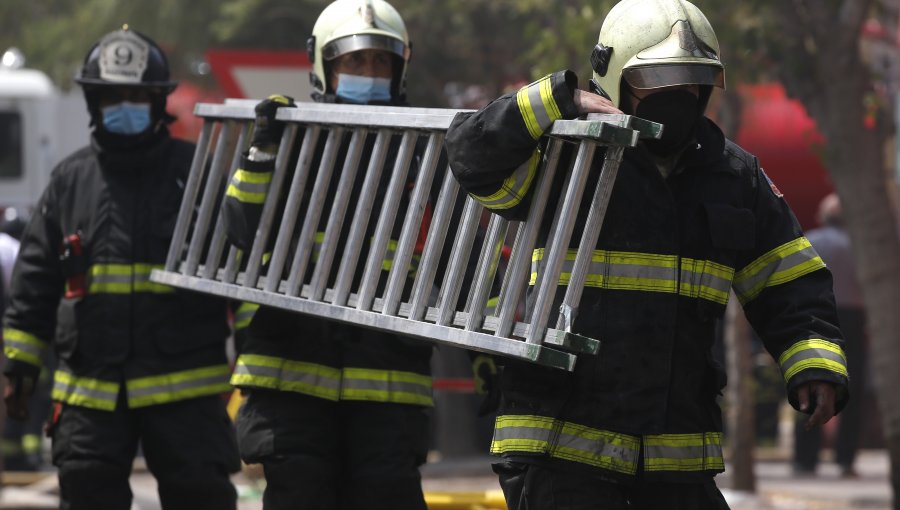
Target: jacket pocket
{"points": [[66, 340]]}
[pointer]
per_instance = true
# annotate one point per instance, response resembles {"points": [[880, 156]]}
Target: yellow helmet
{"points": [[656, 43], [346, 26]]}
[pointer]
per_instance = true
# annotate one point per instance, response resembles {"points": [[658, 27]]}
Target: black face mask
{"points": [[677, 111]]}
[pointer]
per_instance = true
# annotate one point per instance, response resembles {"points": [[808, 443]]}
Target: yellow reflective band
{"points": [[684, 452], [515, 187], [278, 98], [244, 176], [606, 449], [549, 101], [778, 266], [491, 306], [249, 187], [256, 371], [31, 443], [125, 279], [175, 386], [537, 106], [531, 123], [565, 440], [10, 448], [244, 315], [84, 391], [22, 346], [386, 386], [813, 353], [705, 279], [318, 239], [646, 272]]}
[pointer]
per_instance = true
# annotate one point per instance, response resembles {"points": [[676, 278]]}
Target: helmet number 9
{"points": [[123, 55]]}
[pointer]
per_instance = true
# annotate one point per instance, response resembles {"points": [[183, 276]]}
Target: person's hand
{"points": [[487, 383], [588, 102], [816, 398], [16, 391], [267, 131]]}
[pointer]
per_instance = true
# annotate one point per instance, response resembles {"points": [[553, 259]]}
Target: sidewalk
{"points": [[777, 488]]}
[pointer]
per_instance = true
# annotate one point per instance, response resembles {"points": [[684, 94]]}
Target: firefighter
{"points": [[692, 216], [337, 415], [140, 364]]}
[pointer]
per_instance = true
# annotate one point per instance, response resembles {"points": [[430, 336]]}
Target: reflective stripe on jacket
{"points": [[143, 391], [330, 383]]}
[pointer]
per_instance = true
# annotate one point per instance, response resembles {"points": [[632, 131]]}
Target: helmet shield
{"points": [[664, 75], [359, 42]]}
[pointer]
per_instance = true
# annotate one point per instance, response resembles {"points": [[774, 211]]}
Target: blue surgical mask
{"points": [[126, 118], [363, 89]]}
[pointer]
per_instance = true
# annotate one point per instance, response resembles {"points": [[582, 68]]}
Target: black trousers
{"points": [[324, 455], [190, 447], [535, 487], [808, 444]]}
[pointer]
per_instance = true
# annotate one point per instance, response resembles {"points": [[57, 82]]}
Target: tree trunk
{"points": [[740, 396], [833, 84], [862, 184]]}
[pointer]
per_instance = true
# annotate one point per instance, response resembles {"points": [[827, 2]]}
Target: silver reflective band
{"points": [[353, 43], [664, 75]]}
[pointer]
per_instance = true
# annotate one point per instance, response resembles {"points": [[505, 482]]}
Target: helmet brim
{"points": [[666, 75], [164, 86], [359, 42]]}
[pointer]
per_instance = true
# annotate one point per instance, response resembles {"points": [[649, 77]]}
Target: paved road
{"points": [[777, 488]]}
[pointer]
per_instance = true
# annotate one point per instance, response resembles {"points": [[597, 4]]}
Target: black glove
{"points": [[267, 131], [487, 383]]}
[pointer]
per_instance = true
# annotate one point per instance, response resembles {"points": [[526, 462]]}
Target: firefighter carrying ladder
{"points": [[324, 285]]}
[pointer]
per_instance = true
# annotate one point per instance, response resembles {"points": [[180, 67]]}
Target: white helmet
{"points": [[656, 43], [346, 26]]}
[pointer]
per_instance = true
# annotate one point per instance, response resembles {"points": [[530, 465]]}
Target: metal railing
{"points": [[340, 274]]}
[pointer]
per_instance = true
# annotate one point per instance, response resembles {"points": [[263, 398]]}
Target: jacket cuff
{"points": [[840, 382], [564, 85], [547, 100]]}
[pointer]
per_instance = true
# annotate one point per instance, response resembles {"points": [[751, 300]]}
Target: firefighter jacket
{"points": [[287, 351], [670, 251], [108, 323]]}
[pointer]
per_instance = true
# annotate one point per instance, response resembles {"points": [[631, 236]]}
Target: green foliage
{"points": [[493, 43]]}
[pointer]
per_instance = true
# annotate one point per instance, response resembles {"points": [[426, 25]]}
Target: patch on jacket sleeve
{"points": [[772, 186]]}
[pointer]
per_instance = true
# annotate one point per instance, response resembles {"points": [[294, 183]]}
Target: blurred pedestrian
{"points": [[832, 242]]}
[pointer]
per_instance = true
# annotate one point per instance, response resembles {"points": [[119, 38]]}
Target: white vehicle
{"points": [[39, 126]]}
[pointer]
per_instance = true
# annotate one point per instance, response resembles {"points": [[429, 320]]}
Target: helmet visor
{"points": [[665, 75], [358, 42]]}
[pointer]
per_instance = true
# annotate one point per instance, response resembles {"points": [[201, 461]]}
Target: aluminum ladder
{"points": [[200, 259]]}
